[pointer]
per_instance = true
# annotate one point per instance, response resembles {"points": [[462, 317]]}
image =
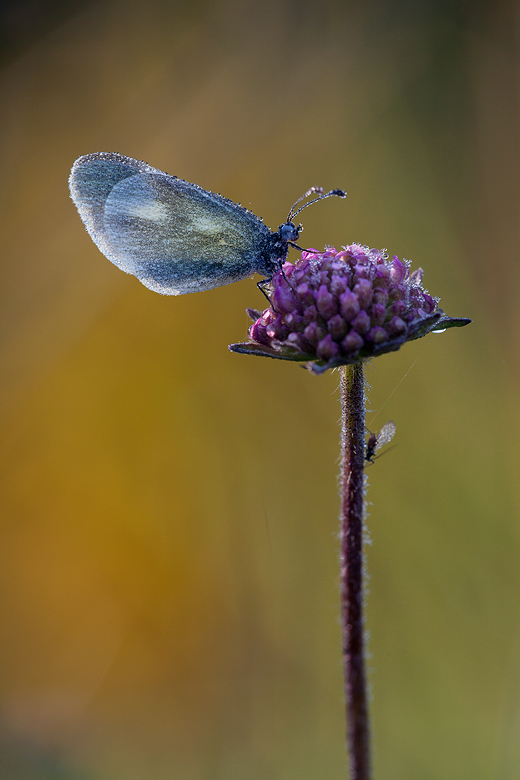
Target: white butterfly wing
{"points": [[175, 237]]}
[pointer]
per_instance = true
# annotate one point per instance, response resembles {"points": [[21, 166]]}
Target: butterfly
{"points": [[174, 236], [376, 440]]}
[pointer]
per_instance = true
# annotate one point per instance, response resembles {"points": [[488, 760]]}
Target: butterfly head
{"points": [[289, 232]]}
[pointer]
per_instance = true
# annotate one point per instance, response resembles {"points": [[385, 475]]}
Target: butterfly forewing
{"points": [[173, 235]]}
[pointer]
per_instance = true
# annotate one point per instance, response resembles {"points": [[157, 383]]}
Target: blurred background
{"points": [[168, 520]]}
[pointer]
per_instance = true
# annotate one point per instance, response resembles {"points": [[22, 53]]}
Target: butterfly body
{"points": [[174, 236]]}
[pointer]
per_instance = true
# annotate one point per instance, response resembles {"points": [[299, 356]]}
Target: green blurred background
{"points": [[168, 533]]}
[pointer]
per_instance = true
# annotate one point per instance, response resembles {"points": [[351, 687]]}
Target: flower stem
{"points": [[351, 539]]}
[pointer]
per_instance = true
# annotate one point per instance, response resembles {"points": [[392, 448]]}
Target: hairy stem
{"points": [[351, 539]]}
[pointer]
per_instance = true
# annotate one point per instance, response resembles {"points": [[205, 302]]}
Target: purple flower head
{"points": [[332, 308]]}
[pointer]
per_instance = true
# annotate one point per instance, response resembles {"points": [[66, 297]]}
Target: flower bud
{"points": [[361, 322], [326, 303], [327, 349]]}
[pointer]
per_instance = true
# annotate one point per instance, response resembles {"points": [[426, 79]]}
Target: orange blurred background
{"points": [[168, 533]]}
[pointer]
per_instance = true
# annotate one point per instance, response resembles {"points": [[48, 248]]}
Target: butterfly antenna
{"points": [[321, 196]]}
